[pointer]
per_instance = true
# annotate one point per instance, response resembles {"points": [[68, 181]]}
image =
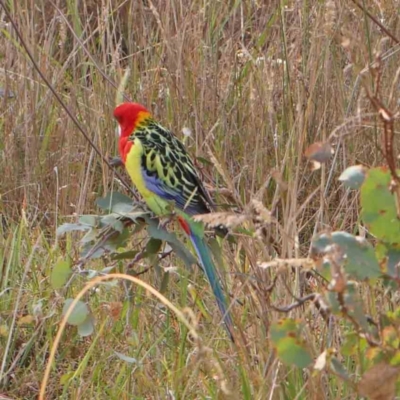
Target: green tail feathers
{"points": [[203, 252]]}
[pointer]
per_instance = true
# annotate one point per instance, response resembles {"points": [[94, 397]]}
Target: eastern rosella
{"points": [[163, 173]]}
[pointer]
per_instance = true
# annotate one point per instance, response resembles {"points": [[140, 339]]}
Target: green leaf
{"points": [[389, 255], [151, 252], [354, 305], [354, 176], [118, 240], [126, 358], [325, 269], [351, 344], [153, 246], [291, 350], [91, 220], [378, 204], [360, 261], [395, 360], [113, 221], [90, 236], [60, 274], [351, 301], [79, 313], [126, 255], [321, 242], [107, 270], [284, 327], [339, 369], [88, 248], [86, 328], [65, 228], [157, 232], [122, 208], [133, 216], [112, 199], [109, 246]]}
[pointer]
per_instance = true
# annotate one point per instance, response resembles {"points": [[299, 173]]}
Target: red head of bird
{"points": [[129, 116]]}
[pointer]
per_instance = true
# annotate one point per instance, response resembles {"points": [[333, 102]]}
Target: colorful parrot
{"points": [[163, 173]]}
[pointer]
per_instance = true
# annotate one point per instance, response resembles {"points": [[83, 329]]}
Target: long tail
{"points": [[207, 263]]}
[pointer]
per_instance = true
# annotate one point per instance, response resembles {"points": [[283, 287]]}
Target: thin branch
{"points": [[298, 303], [373, 19]]}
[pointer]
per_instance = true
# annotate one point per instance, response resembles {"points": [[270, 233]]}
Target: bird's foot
{"points": [[116, 162]]}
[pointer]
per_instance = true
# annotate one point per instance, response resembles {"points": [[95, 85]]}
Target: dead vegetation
{"points": [[256, 83]]}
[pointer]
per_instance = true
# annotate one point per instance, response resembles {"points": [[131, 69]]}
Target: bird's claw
{"points": [[116, 162]]}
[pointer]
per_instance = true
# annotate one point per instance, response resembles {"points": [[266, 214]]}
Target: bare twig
{"points": [[299, 302], [373, 19]]}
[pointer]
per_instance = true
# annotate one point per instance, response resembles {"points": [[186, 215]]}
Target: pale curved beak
{"points": [[118, 131]]}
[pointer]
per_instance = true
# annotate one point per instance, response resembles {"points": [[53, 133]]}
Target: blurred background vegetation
{"points": [[255, 83]]}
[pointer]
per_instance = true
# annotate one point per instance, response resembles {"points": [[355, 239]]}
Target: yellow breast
{"points": [[133, 165]]}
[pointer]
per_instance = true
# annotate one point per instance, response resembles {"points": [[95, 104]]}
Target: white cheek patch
{"points": [[119, 130]]}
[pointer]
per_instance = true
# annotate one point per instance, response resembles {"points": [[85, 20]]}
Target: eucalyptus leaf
{"points": [[338, 368], [379, 211], [354, 305], [290, 347], [292, 351], [125, 255], [87, 249], [389, 256], [60, 274], [283, 328], [113, 198], [158, 232], [360, 259], [153, 246], [122, 208], [90, 236], [124, 357], [86, 328], [118, 240], [79, 313], [65, 228], [133, 216], [354, 176], [107, 270], [91, 220], [113, 221]]}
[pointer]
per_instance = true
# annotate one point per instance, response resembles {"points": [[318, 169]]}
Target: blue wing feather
{"points": [[160, 188]]}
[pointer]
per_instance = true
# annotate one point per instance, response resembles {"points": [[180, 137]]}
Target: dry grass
{"points": [[256, 82]]}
